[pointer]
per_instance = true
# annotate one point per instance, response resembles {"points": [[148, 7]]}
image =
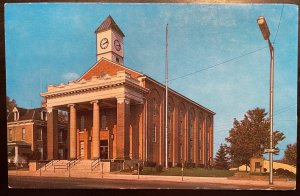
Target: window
{"points": [[180, 152], [40, 150], [199, 153], [60, 136], [154, 133], [23, 133], [103, 122], [180, 124], [43, 115], [200, 136], [154, 107], [117, 60], [9, 135], [40, 134], [16, 115], [169, 109], [82, 123], [191, 130], [104, 149], [169, 137]]}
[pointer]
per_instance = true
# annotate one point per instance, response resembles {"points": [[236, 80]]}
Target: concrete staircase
{"points": [[82, 168]]}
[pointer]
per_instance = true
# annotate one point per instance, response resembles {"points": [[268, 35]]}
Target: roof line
{"points": [[179, 94], [104, 59]]}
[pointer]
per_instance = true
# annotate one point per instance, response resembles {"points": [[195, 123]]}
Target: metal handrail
{"points": [[50, 163], [74, 161], [95, 163]]}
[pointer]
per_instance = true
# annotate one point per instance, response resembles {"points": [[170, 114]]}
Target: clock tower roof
{"points": [[109, 23]]}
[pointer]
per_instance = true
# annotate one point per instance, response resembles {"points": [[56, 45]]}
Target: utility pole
{"points": [[166, 109], [266, 34]]}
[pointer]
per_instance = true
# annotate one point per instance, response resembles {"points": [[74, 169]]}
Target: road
{"points": [[35, 182]]}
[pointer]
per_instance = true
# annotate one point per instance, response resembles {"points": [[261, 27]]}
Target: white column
{"points": [[16, 154], [73, 132], [96, 130]]}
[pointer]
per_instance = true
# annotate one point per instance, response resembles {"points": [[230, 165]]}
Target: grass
{"points": [[198, 172]]}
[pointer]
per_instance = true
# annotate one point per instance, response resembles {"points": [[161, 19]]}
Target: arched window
{"points": [[200, 122], [170, 114], [190, 136]]}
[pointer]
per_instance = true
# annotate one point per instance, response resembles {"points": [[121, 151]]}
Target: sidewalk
{"points": [[214, 180]]}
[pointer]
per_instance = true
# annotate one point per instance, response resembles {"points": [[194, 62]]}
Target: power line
{"points": [[218, 64], [287, 108], [278, 24]]}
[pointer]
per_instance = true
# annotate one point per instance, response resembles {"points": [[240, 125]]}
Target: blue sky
{"points": [[54, 43]]}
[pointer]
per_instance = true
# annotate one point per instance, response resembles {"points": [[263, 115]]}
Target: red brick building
{"points": [[29, 126], [118, 113]]}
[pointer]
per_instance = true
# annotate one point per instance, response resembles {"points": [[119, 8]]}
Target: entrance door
{"points": [[104, 149], [40, 149], [82, 149], [60, 153]]}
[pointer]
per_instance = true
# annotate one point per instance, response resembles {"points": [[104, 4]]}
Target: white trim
{"points": [[27, 122]]}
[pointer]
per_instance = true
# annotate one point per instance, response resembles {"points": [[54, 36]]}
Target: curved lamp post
{"points": [[262, 23]]}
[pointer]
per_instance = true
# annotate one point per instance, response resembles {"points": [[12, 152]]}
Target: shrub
{"points": [[179, 164], [150, 164], [159, 168], [201, 165], [140, 168], [190, 165], [170, 164]]}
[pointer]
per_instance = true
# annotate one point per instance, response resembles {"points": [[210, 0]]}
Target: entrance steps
{"points": [[82, 168]]}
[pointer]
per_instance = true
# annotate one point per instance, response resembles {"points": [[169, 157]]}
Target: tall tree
{"points": [[290, 154], [222, 159], [250, 136], [10, 104]]}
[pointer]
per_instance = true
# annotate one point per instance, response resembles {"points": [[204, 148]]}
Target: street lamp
{"points": [[262, 23]]}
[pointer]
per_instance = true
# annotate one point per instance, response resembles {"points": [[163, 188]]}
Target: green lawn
{"points": [[199, 172]]}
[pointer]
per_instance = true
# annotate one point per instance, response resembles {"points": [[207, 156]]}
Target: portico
{"points": [[86, 99]]}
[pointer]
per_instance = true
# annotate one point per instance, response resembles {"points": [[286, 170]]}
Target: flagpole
{"points": [[166, 109]]}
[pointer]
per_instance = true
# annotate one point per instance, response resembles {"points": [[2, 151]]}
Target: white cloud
{"points": [[70, 76]]}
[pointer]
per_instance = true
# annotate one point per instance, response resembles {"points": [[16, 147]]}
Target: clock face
{"points": [[104, 43], [117, 45]]}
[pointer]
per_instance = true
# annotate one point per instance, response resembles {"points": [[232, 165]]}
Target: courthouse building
{"points": [[118, 113]]}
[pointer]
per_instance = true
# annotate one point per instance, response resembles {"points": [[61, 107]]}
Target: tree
{"points": [[222, 160], [290, 154], [250, 136], [10, 104]]}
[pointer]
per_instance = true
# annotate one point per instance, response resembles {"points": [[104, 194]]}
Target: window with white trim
{"points": [[10, 135], [23, 133], [16, 116]]}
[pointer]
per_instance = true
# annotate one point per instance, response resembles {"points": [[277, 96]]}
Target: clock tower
{"points": [[109, 40]]}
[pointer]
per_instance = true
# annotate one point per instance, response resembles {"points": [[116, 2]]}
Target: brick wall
{"points": [[17, 133], [156, 150]]}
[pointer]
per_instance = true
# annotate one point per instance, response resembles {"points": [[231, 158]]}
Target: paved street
{"points": [[41, 182]]}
